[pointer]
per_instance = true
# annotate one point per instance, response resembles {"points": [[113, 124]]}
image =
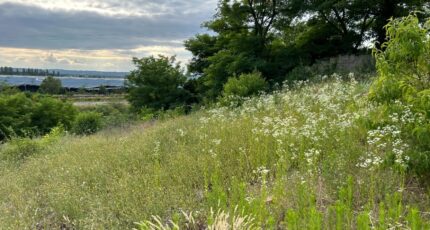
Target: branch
{"points": [[340, 20]]}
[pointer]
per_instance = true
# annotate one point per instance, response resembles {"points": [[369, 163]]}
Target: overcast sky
{"points": [[96, 34]]}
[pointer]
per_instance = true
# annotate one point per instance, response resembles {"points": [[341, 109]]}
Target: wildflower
{"points": [[157, 148], [311, 155], [181, 132], [216, 141], [212, 153], [261, 171], [204, 120]]}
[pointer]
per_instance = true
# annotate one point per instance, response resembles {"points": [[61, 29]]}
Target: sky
{"points": [[99, 35]]}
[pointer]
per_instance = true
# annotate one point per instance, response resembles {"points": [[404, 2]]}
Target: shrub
{"points": [[158, 83], [300, 73], [49, 112], [113, 114], [403, 88], [26, 115], [50, 85], [171, 113], [15, 115], [147, 114], [103, 90], [87, 123], [245, 85], [19, 149], [404, 63]]}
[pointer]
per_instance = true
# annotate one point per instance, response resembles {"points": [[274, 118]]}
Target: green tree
{"points": [[50, 85], [245, 85], [404, 78], [26, 115], [351, 22], [383, 10], [244, 41], [102, 90], [157, 83], [202, 46], [15, 115], [49, 112], [275, 36]]}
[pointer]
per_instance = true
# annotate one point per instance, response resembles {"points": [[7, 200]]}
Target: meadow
{"points": [[315, 152], [304, 157]]}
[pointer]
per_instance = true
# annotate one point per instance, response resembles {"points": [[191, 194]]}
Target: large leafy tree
{"points": [[355, 21], [383, 10], [157, 83], [274, 36], [243, 42]]}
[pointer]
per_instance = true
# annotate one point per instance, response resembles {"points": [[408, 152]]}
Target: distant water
{"points": [[69, 82]]}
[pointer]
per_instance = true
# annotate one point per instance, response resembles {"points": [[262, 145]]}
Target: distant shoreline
{"points": [[64, 76], [67, 81]]}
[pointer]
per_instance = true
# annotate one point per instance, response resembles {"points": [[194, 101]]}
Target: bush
{"points": [[300, 73], [50, 85], [172, 113], [87, 123], [26, 115], [19, 149], [49, 112], [158, 83], [402, 88], [15, 115], [245, 85], [147, 114], [113, 114], [404, 64]]}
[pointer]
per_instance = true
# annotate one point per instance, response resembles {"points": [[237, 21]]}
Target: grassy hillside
{"points": [[306, 157]]}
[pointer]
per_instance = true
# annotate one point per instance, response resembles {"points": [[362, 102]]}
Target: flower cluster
{"points": [[381, 142]]}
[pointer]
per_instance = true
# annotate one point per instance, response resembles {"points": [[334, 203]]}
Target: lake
{"points": [[69, 82]]}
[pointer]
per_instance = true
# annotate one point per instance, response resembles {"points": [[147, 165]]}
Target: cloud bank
{"points": [[63, 33]]}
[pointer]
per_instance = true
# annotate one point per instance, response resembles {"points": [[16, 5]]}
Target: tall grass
{"points": [[301, 158]]}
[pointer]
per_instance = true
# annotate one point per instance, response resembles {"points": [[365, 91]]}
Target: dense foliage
{"points": [[87, 123], [244, 86], [23, 71], [157, 83], [113, 115], [50, 85], [276, 36], [402, 88], [29, 115]]}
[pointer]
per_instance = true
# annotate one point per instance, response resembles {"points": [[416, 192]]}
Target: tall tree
{"points": [[383, 10], [356, 21], [244, 34], [274, 36], [157, 83], [50, 85]]}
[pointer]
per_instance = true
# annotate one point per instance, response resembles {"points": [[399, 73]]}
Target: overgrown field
{"points": [[305, 157]]}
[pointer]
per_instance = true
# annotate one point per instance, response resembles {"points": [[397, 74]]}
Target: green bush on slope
{"points": [[87, 123], [402, 90], [30, 115]]}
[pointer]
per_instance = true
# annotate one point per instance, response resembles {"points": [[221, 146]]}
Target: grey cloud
{"points": [[26, 26], [51, 58]]}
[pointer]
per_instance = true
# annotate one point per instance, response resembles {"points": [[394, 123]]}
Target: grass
{"points": [[299, 158]]}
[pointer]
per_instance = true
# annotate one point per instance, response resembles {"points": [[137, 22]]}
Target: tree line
{"points": [[271, 38], [27, 71]]}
